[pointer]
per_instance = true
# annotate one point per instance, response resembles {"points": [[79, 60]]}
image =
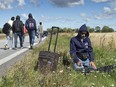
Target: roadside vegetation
{"points": [[22, 74]]}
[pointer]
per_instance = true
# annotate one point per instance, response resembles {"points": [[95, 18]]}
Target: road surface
{"points": [[10, 57]]}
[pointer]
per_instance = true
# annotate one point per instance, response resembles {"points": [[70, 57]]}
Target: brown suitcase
{"points": [[47, 59]]}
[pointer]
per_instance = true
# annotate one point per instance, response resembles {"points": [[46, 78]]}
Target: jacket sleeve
{"points": [[22, 27], [35, 26], [73, 51], [90, 50], [13, 27]]}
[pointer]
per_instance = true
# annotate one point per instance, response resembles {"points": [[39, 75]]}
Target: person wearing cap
{"points": [[81, 49], [18, 31], [30, 25], [9, 35]]}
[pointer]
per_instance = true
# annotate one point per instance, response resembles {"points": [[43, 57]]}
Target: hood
{"points": [[30, 15], [83, 28], [17, 17]]}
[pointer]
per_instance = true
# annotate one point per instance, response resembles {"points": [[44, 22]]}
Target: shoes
{"points": [[31, 47], [6, 47], [21, 47], [15, 48], [10, 48]]}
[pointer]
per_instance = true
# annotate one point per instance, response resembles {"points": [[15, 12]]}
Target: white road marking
{"points": [[6, 59]]}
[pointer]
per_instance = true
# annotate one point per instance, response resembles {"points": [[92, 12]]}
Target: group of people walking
{"points": [[19, 29], [80, 46]]}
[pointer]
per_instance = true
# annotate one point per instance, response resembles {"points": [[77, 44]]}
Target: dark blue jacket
{"points": [[77, 47]]}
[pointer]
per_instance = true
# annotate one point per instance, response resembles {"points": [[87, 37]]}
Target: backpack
{"points": [[31, 24], [6, 28]]}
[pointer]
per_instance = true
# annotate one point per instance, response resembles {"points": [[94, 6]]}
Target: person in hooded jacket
{"points": [[30, 25], [81, 49], [18, 31]]}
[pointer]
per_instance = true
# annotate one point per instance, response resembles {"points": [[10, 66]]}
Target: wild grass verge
{"points": [[23, 74]]}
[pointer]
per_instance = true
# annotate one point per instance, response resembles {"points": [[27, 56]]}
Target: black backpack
{"points": [[31, 24], [6, 28]]}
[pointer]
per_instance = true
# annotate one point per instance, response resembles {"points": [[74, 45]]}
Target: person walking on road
{"points": [[40, 31], [9, 34], [18, 31], [30, 25]]}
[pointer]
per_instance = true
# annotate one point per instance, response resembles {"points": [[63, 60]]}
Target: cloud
{"points": [[25, 16], [35, 2], [21, 2], [6, 4], [108, 11], [98, 17], [67, 3], [85, 17], [59, 19], [97, 1]]}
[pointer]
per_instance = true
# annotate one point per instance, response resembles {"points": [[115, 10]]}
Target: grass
{"points": [[22, 74], [2, 36]]}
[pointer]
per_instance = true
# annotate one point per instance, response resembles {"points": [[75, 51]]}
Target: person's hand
{"points": [[93, 65], [79, 63]]}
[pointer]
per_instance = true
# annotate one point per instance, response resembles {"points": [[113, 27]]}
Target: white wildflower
{"points": [[114, 60], [102, 63], [109, 75], [93, 84], [61, 71], [53, 71], [97, 71], [112, 85], [54, 83], [102, 86], [95, 76]]}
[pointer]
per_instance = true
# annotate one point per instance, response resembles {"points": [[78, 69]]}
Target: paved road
{"points": [[9, 57]]}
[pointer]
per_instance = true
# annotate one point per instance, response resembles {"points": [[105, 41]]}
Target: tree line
{"points": [[97, 29]]}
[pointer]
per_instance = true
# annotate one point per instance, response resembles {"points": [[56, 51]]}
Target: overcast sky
{"points": [[62, 13]]}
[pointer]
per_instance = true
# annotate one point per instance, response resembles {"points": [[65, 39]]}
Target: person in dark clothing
{"points": [[18, 31], [81, 49], [30, 25]]}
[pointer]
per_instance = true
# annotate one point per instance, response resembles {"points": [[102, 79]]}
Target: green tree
{"points": [[97, 29], [91, 30], [107, 29]]}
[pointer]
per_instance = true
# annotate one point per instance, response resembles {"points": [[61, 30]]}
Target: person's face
{"points": [[83, 34]]}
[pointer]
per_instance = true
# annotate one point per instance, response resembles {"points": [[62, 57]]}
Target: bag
{"points": [[84, 56], [6, 28], [31, 24], [25, 30], [48, 58]]}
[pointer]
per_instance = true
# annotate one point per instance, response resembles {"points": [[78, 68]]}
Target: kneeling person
{"points": [[81, 49]]}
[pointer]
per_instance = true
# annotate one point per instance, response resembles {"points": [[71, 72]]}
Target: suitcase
{"points": [[48, 59]]}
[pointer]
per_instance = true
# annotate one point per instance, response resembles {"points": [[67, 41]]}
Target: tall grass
{"points": [[24, 75]]}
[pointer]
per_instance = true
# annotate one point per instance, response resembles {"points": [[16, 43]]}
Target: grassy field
{"points": [[2, 36], [22, 74]]}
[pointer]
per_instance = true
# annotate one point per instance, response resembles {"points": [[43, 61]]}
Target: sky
{"points": [[61, 13]]}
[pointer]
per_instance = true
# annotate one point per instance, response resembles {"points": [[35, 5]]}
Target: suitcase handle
{"points": [[53, 27]]}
